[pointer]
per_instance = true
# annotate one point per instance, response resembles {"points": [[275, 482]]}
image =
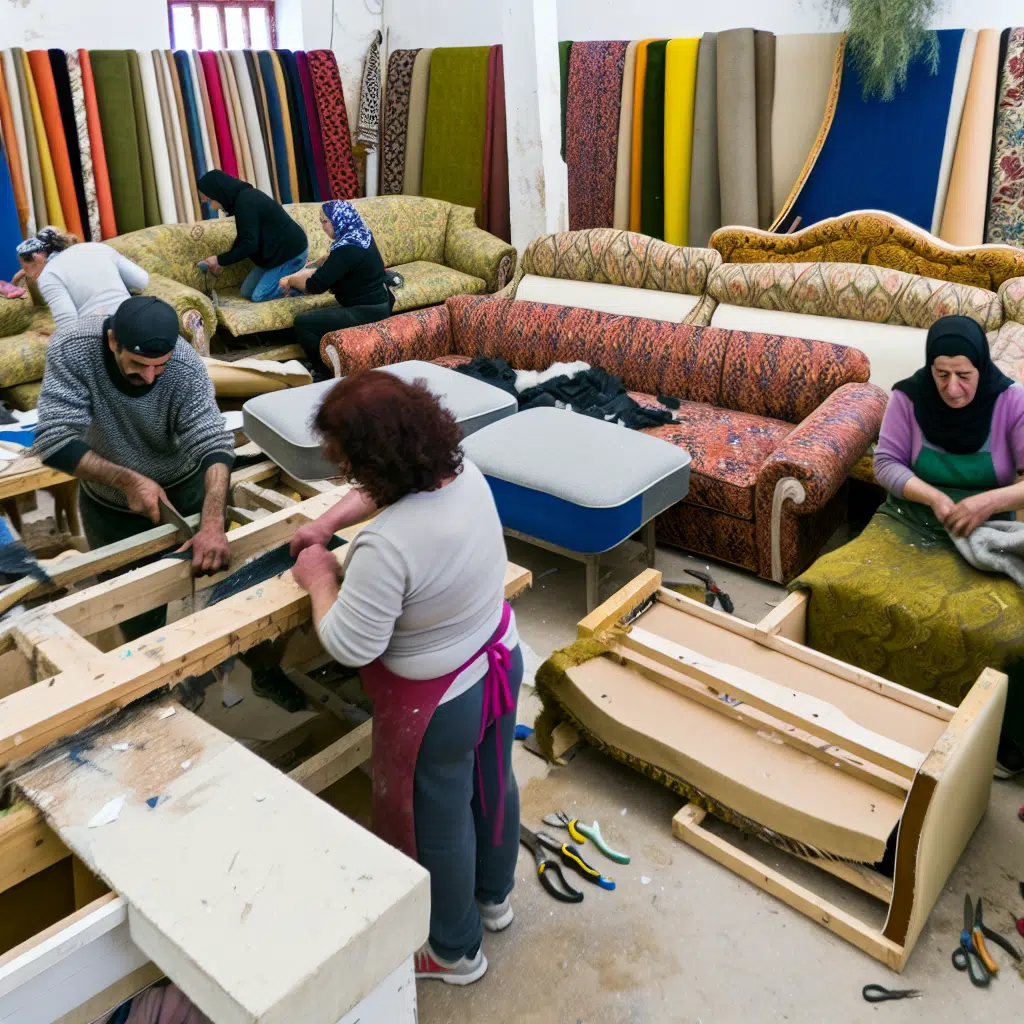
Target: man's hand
{"points": [[967, 515], [315, 566], [315, 534], [144, 496], [210, 550]]}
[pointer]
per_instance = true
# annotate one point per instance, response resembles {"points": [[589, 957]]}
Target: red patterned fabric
{"points": [[330, 102], [420, 334], [592, 131]]}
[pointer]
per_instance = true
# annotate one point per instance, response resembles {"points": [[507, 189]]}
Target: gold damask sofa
{"points": [[24, 332], [436, 247]]}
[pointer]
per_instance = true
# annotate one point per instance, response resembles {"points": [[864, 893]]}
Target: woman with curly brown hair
{"points": [[421, 612]]}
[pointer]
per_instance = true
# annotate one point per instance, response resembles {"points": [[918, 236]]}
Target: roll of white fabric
{"points": [[204, 130], [261, 164], [158, 140], [36, 218], [179, 142]]}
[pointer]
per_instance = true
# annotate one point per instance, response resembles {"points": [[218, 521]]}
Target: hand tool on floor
{"points": [[580, 833], [982, 932], [547, 867], [972, 954], [712, 592], [878, 994], [572, 858], [170, 516]]}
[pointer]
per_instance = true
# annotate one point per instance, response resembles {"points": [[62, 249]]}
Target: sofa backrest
{"points": [[877, 238], [1011, 298]]}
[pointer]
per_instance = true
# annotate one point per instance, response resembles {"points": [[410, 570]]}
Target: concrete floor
{"points": [[683, 939]]}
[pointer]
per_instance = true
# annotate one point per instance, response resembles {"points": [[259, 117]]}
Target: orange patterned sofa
{"points": [[773, 424]]}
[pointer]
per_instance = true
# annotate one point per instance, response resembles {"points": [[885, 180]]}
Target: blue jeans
{"points": [[261, 285], [453, 837]]}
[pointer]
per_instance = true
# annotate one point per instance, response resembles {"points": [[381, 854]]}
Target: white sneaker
{"points": [[429, 966], [496, 917]]}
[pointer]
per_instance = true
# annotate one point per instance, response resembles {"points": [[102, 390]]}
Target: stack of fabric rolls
{"points": [[103, 142]]}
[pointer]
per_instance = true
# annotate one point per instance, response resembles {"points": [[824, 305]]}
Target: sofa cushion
{"points": [[1011, 296], [727, 450], [893, 352], [608, 298], [429, 284], [15, 316], [240, 316]]}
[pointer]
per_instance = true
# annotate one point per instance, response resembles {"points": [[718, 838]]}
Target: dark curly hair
{"points": [[390, 437]]}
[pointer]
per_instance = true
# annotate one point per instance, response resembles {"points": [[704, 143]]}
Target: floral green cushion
{"points": [[22, 358], [22, 396], [429, 284], [15, 316]]}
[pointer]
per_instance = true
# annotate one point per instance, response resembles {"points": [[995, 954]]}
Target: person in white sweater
{"points": [[78, 279], [422, 614]]}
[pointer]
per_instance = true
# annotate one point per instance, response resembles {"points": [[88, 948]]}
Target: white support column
{"points": [[538, 181]]}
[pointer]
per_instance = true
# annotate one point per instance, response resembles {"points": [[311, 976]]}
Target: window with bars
{"points": [[222, 24]]}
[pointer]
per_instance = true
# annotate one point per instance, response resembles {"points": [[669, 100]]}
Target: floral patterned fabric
{"points": [[422, 334], [1008, 349], [864, 293], [330, 104], [1005, 221], [1011, 296], [396, 120], [24, 334], [878, 239], [23, 396], [477, 252], [15, 316]]}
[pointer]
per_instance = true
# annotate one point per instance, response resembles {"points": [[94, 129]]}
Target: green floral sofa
{"points": [[24, 333], [434, 245]]}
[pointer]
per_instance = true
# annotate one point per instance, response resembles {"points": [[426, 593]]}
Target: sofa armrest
{"points": [[184, 298], [808, 469], [476, 252], [421, 334]]}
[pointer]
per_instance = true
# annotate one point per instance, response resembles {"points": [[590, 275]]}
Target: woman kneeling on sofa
{"points": [[264, 233], [422, 613], [353, 271]]}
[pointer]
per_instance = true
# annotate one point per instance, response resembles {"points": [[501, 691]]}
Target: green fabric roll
{"points": [[113, 82], [150, 195], [564, 50], [453, 149], [652, 188]]}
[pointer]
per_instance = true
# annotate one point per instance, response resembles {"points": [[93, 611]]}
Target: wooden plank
{"points": [[864, 878], [255, 474], [620, 604], [98, 1006], [308, 488], [517, 580], [51, 646], [15, 672], [248, 495], [789, 618], [27, 845], [335, 761], [806, 712], [686, 825], [29, 474], [322, 697]]}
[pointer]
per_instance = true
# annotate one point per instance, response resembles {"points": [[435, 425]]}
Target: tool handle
{"points": [[574, 859], [593, 833], [576, 831], [979, 944], [544, 872], [1000, 942], [965, 959]]}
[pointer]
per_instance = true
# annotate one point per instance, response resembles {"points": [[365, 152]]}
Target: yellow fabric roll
{"points": [[680, 92], [282, 91], [636, 161], [55, 213]]}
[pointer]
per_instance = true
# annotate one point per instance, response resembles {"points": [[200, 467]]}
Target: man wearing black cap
{"points": [[128, 408]]}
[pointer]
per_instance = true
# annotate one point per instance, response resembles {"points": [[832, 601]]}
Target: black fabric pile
{"points": [[593, 392]]}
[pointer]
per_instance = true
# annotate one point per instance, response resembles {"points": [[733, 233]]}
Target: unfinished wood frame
{"points": [[934, 759]]}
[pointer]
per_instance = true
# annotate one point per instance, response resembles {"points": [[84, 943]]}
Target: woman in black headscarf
{"points": [[265, 234]]}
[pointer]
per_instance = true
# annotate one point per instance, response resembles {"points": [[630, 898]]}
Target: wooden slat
{"points": [[27, 845], [621, 603], [335, 761], [247, 495], [51, 646]]}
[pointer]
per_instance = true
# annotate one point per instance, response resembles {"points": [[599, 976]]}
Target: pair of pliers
{"points": [[547, 867], [580, 833], [572, 858], [972, 955]]}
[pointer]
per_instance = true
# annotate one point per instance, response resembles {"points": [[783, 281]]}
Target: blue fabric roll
{"points": [[195, 135], [276, 126], [307, 175], [10, 229], [884, 156]]}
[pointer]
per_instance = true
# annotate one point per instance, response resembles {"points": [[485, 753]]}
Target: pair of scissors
{"points": [[547, 867], [972, 954]]}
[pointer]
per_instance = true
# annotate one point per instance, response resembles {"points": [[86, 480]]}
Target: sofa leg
{"points": [[649, 537], [593, 565]]}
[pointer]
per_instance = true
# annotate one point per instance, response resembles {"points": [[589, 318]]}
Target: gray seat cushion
{"points": [[575, 481], [280, 422]]}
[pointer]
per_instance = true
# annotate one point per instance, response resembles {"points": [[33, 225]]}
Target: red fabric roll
{"points": [[108, 226], [225, 143], [315, 131], [337, 140], [495, 204]]}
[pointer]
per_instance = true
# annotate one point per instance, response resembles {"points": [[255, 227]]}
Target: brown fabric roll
{"points": [[764, 76], [737, 127], [705, 192]]}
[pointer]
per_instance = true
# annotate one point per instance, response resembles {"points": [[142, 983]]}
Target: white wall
{"points": [[84, 24], [415, 23]]}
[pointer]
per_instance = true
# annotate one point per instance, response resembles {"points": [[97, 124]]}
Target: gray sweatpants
{"points": [[453, 837]]}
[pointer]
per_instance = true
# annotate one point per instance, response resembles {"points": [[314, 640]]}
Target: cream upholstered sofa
{"points": [[614, 271]]}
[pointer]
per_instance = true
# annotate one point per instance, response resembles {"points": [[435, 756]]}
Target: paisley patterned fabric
{"points": [[1005, 221], [330, 103], [880, 239], [92, 208], [864, 293], [396, 120], [368, 121]]}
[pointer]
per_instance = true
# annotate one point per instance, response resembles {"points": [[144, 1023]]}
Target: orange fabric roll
{"points": [[42, 73], [637, 148], [13, 157], [108, 226]]}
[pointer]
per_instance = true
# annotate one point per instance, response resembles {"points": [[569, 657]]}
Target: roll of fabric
{"points": [[737, 126], [330, 102], [10, 141], [100, 169], [804, 66], [396, 120], [419, 90], [878, 155], [32, 157], [764, 78], [680, 94], [319, 168], [276, 124], [705, 195], [81, 129], [244, 150], [259, 94], [456, 120], [207, 129], [564, 54], [592, 131], [368, 120], [257, 148], [168, 113], [187, 152], [150, 195], [963, 220], [961, 82], [1005, 214], [66, 105], [49, 106], [167, 209], [54, 209], [10, 229], [190, 105], [624, 148], [300, 129], [636, 156], [652, 191], [18, 116], [497, 210], [289, 130], [485, 177], [221, 123]]}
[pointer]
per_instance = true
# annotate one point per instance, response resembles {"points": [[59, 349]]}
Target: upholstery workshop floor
{"points": [[695, 943]]}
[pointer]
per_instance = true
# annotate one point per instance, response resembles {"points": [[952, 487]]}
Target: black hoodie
{"points": [[265, 234]]}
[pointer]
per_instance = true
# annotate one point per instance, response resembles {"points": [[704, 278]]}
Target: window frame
{"points": [[222, 6]]}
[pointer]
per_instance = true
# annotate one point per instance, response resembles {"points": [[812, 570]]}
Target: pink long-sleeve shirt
{"points": [[900, 440]]}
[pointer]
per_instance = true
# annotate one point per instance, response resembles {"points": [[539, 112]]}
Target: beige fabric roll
{"points": [[412, 179], [624, 152], [261, 165], [705, 194], [737, 126], [963, 220], [803, 77], [764, 76], [961, 81]]}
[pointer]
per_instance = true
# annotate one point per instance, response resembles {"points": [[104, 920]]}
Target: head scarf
{"points": [[223, 187], [959, 431], [47, 240], [349, 228]]}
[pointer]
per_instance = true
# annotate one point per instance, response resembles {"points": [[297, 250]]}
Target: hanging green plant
{"points": [[884, 37]]}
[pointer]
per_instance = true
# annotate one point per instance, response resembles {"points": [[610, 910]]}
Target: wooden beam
{"points": [[322, 697], [788, 618], [51, 646], [27, 845], [252, 496], [620, 604], [335, 761]]}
